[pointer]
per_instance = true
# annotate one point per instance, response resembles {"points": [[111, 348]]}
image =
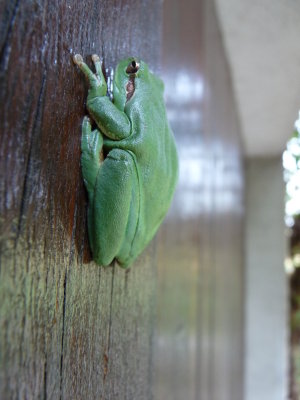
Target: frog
{"points": [[129, 160]]}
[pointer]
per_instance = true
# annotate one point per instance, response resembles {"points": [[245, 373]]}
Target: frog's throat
{"points": [[130, 87]]}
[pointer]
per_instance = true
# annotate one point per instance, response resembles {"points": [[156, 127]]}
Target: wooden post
{"points": [[69, 329]]}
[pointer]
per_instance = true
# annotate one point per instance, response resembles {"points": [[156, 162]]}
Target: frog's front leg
{"points": [[113, 122]]}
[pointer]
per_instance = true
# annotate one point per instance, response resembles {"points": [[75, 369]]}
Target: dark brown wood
{"points": [[69, 329]]}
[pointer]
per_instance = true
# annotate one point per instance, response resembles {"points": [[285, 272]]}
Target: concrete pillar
{"points": [[266, 311]]}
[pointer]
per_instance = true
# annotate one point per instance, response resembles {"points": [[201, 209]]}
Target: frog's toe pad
{"points": [[86, 124], [77, 59], [95, 58]]}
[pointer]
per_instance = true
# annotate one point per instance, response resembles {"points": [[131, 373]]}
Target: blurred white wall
{"points": [[263, 48]]}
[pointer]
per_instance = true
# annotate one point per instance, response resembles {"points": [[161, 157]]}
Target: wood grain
{"points": [[69, 329]]}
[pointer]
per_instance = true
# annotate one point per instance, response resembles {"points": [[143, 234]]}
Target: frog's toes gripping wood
{"points": [[97, 81], [91, 157]]}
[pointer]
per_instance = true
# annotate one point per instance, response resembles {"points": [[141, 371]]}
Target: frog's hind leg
{"points": [[115, 213], [91, 155]]}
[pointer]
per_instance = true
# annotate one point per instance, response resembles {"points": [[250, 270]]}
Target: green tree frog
{"points": [[129, 162]]}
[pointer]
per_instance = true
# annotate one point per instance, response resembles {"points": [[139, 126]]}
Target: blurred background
{"points": [[233, 98], [211, 309]]}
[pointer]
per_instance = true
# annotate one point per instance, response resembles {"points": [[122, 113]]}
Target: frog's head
{"points": [[129, 73]]}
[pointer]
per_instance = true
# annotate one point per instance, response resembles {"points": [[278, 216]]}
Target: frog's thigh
{"points": [[112, 201]]}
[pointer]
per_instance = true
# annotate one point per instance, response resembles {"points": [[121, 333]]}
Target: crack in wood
{"points": [[72, 248], [6, 46], [106, 358], [62, 337], [45, 375], [35, 131]]}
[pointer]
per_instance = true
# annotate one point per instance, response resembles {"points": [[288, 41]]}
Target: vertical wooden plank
{"points": [[200, 281], [178, 251], [69, 329], [226, 268]]}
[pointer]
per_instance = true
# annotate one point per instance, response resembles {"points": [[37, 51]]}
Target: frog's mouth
{"points": [[131, 70], [130, 87]]}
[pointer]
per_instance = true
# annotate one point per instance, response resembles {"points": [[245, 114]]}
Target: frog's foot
{"points": [[91, 141], [97, 80], [92, 155]]}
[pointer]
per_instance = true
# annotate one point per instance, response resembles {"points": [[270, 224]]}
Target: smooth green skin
{"points": [[130, 190]]}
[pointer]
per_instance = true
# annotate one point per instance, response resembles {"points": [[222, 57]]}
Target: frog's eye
{"points": [[132, 67]]}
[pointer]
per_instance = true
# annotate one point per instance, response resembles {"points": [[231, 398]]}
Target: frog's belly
{"points": [[150, 199], [146, 214]]}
